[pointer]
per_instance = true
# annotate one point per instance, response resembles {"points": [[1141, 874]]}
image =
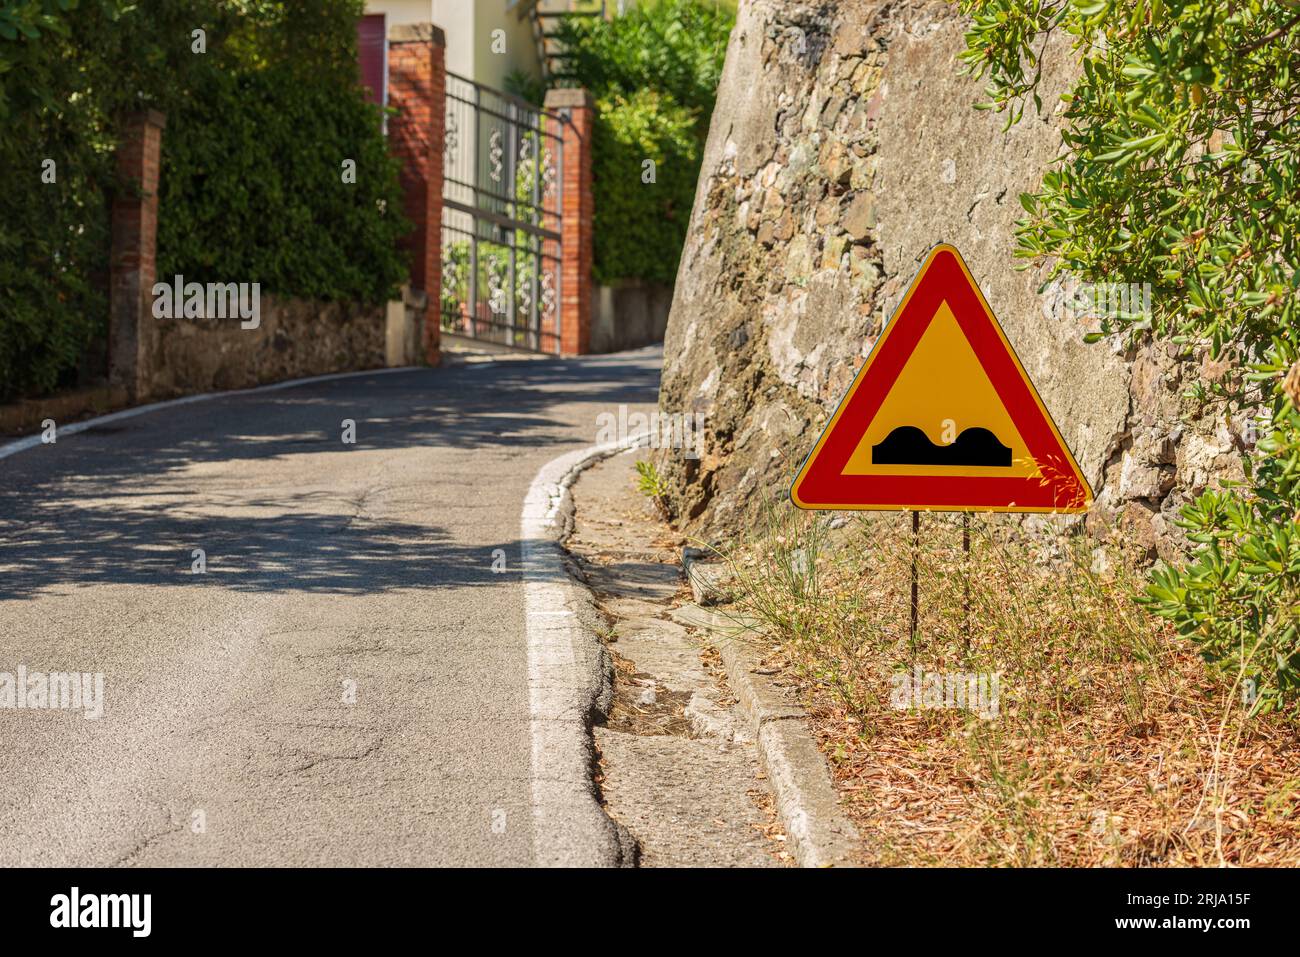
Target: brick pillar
{"points": [[577, 206], [133, 265], [417, 87]]}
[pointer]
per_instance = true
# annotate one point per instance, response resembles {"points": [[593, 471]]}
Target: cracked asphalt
{"points": [[347, 683]]}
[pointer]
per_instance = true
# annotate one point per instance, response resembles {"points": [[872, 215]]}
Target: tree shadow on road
{"points": [[69, 515], [298, 551]]}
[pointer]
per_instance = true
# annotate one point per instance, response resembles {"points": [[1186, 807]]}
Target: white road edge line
{"points": [[563, 673], [72, 428]]}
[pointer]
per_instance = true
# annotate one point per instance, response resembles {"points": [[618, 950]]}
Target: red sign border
{"points": [[1060, 487]]}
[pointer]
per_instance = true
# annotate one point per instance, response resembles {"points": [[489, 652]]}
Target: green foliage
{"points": [[1238, 600], [640, 227], [66, 70], [251, 188], [1181, 170], [525, 86], [654, 73], [674, 47], [652, 485]]}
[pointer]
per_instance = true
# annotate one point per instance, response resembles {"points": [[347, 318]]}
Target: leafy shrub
{"points": [[1183, 171], [654, 73], [652, 485], [640, 227], [252, 190], [526, 86]]}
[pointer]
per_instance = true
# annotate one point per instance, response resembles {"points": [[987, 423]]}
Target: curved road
{"points": [[347, 683]]}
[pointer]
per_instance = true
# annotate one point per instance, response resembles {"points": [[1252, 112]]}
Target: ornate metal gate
{"points": [[501, 218]]}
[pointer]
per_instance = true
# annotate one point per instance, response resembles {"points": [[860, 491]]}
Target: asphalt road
{"points": [[347, 683]]}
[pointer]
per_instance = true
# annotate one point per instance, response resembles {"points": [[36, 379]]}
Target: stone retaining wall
{"points": [[843, 146]]}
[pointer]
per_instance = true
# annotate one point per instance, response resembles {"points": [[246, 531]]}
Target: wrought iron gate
{"points": [[501, 218]]}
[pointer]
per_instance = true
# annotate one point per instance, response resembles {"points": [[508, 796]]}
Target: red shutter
{"points": [[371, 47]]}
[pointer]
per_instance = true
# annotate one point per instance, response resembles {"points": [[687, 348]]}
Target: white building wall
{"points": [[468, 25], [491, 68], [403, 11]]}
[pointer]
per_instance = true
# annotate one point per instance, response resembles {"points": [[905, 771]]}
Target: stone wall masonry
{"points": [[295, 338], [843, 146]]}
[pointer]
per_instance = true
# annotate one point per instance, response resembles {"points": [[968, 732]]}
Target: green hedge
{"points": [[640, 227], [252, 191], [258, 127], [252, 178], [654, 73]]}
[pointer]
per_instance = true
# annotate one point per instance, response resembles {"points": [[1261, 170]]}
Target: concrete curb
{"points": [[72, 428], [819, 832], [570, 677], [711, 582]]}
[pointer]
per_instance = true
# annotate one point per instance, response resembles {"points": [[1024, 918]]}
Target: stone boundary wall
{"points": [[294, 339], [629, 314]]}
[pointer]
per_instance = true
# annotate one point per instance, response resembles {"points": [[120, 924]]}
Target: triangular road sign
{"points": [[942, 416]]}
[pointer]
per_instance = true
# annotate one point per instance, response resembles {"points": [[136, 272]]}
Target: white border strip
{"points": [[72, 428], [561, 691]]}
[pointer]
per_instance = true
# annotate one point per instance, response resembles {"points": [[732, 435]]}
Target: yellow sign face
{"points": [[943, 366]]}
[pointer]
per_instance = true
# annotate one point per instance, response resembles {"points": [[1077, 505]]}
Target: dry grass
{"points": [[1113, 744]]}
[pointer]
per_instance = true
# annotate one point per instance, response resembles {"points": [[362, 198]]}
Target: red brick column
{"points": [[417, 87], [133, 257], [577, 206]]}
